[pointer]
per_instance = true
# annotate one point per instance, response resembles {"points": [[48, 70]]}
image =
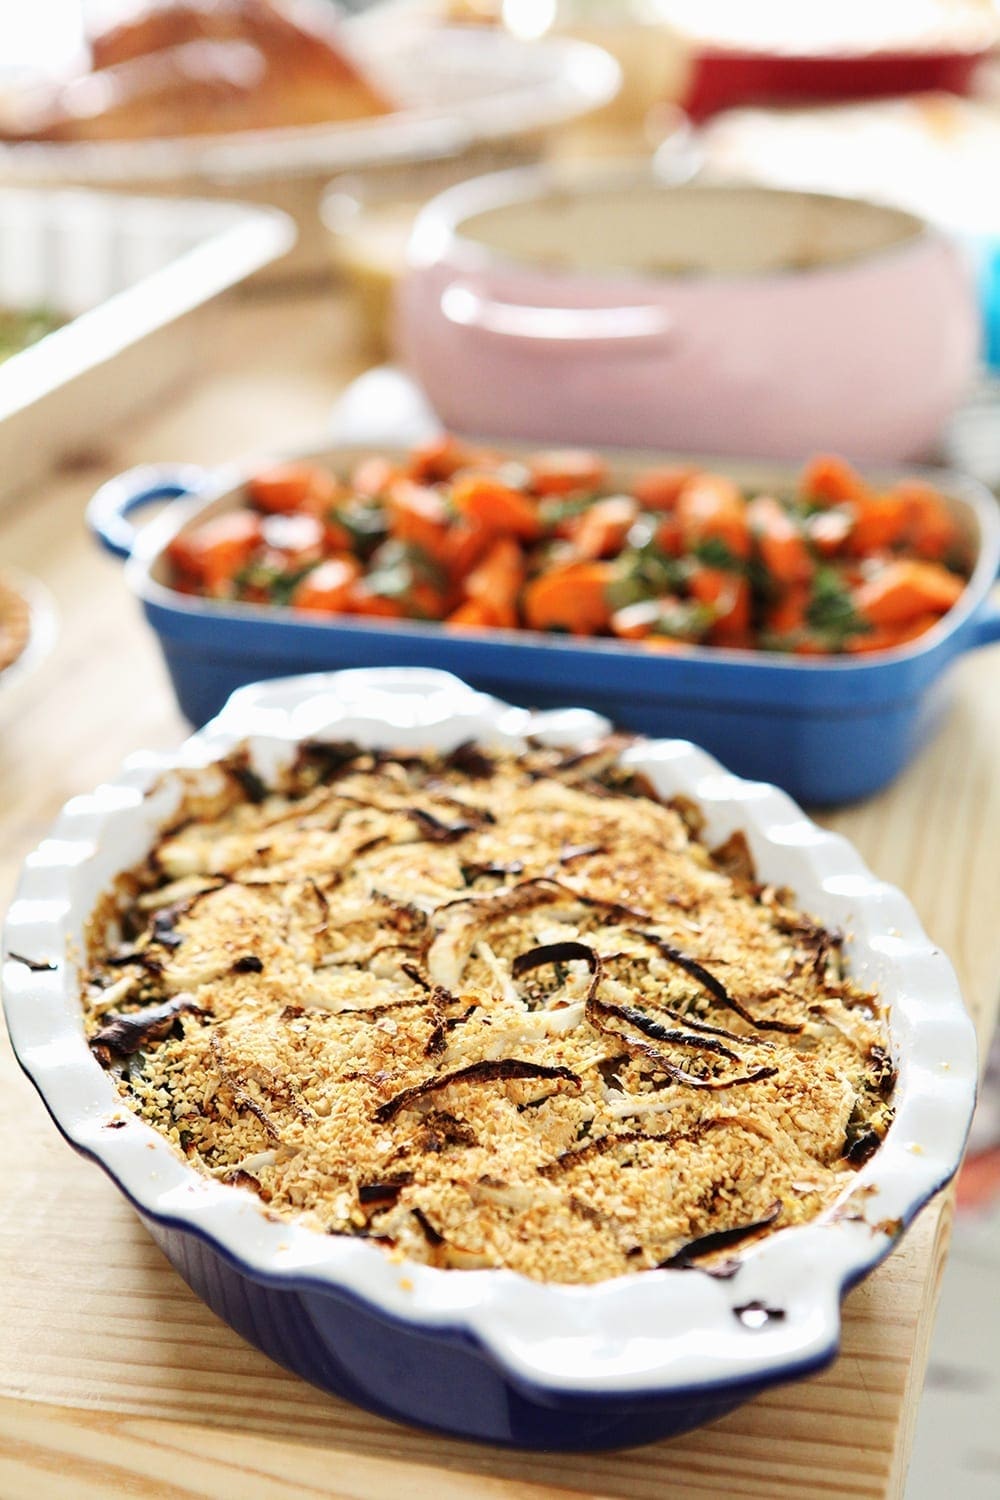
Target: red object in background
{"points": [[724, 78]]}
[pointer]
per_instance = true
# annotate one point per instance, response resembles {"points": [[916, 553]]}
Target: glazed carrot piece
{"points": [[361, 600], [296, 537], [660, 489], [564, 470], [931, 529], [466, 542], [373, 476], [887, 636], [828, 530], [496, 581], [438, 459], [217, 550], [906, 589], [327, 589], [829, 480], [711, 508], [788, 614], [498, 507], [880, 523], [419, 514], [473, 614], [729, 596], [636, 621], [573, 598], [779, 541], [601, 530], [291, 487]]}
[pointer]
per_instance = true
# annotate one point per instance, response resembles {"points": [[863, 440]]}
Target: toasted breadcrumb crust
{"points": [[486, 1009]]}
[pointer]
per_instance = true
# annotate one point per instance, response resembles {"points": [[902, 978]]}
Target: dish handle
{"points": [[986, 625], [559, 330], [150, 484]]}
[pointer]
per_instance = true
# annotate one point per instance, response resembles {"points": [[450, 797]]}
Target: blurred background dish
{"points": [[929, 153], [470, 86], [99, 289], [28, 626], [617, 310]]}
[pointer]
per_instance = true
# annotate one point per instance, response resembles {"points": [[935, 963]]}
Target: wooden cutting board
{"points": [[114, 1378]]}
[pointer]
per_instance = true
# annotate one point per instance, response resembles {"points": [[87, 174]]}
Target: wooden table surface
{"points": [[114, 1378]]}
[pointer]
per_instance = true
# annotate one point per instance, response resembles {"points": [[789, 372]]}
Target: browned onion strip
{"points": [[554, 953], [598, 1012], [477, 1072], [658, 1033], [714, 986], [718, 1239], [123, 1035]]}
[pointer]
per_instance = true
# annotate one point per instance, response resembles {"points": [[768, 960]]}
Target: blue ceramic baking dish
{"points": [[826, 730]]}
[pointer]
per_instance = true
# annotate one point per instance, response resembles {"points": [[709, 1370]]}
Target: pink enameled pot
{"points": [[704, 318]]}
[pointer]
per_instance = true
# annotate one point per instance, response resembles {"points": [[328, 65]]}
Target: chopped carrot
{"points": [[496, 581], [215, 552], [573, 598], [711, 508], [636, 621], [296, 537], [363, 601], [498, 507], [327, 589], [467, 541], [885, 637], [906, 589], [660, 489], [788, 613], [828, 530], [439, 458], [829, 480], [564, 470], [473, 614], [373, 476], [880, 523], [729, 596], [419, 514], [602, 529], [931, 529], [779, 540], [669, 537], [291, 487]]}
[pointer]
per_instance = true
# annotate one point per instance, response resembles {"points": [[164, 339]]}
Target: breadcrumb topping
{"points": [[486, 1009]]}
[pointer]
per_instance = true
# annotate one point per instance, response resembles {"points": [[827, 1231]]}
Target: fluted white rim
{"points": [[661, 1331]]}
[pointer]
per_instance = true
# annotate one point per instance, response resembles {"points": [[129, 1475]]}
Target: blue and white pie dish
{"points": [[488, 1354]]}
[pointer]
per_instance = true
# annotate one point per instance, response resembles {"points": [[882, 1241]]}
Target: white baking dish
{"points": [[490, 1354], [123, 273]]}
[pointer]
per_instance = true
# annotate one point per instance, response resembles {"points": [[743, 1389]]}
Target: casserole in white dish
{"points": [[489, 1354]]}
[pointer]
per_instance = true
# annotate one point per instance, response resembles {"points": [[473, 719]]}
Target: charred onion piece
{"points": [[471, 761], [384, 1192], [554, 953], [714, 986], [435, 829], [123, 1035], [599, 1011], [719, 1239], [36, 965], [477, 1072]]}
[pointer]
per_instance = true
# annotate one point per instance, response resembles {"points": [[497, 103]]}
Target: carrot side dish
{"points": [[479, 541]]}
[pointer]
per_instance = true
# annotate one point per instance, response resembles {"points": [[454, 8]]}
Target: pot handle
{"points": [[559, 330], [108, 512]]}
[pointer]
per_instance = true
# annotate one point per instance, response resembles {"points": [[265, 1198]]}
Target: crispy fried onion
{"points": [[477, 1072], [686, 1257], [712, 984], [624, 1021], [123, 1035]]}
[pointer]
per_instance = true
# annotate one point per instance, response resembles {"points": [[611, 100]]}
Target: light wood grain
{"points": [[114, 1378]]}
